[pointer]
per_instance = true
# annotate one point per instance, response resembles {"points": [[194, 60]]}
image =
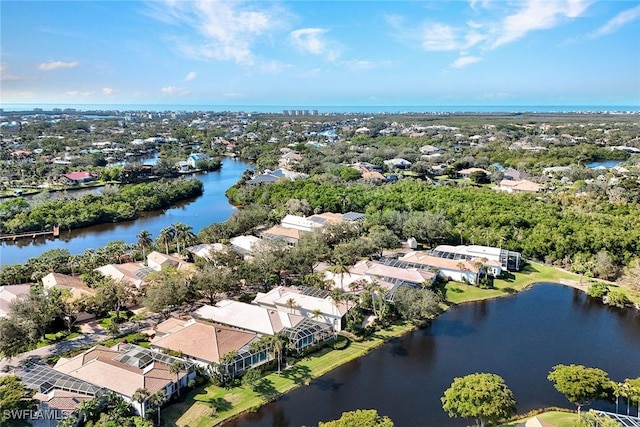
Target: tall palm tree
{"points": [[140, 395], [315, 314], [145, 241], [165, 238], [183, 234], [278, 343], [229, 359], [175, 368], [158, 399]]}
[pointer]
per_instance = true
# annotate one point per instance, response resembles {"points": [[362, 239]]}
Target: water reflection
{"points": [[519, 338]]}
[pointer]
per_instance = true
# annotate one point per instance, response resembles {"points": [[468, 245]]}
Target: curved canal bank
{"points": [[211, 207], [520, 337], [235, 407]]}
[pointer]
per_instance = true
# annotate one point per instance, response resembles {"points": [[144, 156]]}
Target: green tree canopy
{"points": [[14, 395], [580, 385], [359, 418], [482, 396]]}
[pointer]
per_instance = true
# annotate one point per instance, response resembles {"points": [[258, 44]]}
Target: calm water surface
{"points": [[211, 207], [520, 338]]}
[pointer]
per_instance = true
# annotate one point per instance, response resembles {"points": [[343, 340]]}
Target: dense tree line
{"points": [[123, 204], [557, 229]]}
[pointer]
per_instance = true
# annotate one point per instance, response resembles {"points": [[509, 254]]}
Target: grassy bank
{"points": [[212, 405], [555, 418]]}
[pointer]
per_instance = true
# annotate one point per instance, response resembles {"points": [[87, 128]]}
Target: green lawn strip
{"points": [[555, 418], [533, 272], [198, 408]]}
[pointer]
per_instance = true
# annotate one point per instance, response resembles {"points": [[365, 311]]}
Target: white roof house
{"points": [[204, 250], [299, 223], [244, 244], [281, 299], [248, 316]]}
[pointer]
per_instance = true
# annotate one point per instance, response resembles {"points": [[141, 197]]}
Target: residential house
{"points": [[204, 250], [130, 273], [244, 245], [451, 269], [295, 301], [466, 173], [74, 285], [523, 186], [79, 177], [193, 159], [398, 163], [514, 175], [509, 260], [10, 293], [127, 368], [207, 343], [272, 176], [58, 394], [290, 236], [429, 149], [157, 261], [301, 331], [299, 223]]}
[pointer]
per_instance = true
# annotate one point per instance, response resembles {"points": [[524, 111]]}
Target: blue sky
{"points": [[315, 53]]}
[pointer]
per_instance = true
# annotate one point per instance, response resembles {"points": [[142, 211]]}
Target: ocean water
{"points": [[337, 109]]}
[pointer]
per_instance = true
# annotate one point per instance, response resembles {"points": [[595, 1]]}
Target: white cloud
{"points": [[78, 93], [108, 91], [190, 76], [56, 65], [173, 90], [312, 40], [440, 37], [618, 21], [536, 15], [224, 30], [5, 76], [463, 61]]}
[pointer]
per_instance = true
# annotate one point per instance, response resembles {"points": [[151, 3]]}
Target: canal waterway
{"points": [[520, 338], [211, 207]]}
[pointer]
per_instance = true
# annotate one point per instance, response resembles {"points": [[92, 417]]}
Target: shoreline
{"points": [[198, 412]]}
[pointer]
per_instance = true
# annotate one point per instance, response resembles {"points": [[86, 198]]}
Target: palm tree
{"points": [[228, 360], [315, 314], [165, 238], [291, 303], [277, 344], [183, 234], [140, 395], [145, 241], [158, 399], [340, 268], [175, 368], [89, 409]]}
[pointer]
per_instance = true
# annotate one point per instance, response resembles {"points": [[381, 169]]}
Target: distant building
{"points": [[80, 177]]}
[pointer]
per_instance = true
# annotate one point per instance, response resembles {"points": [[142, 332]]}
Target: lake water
{"points": [[211, 207], [605, 164], [520, 338]]}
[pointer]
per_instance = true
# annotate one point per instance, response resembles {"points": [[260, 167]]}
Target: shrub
{"points": [[617, 298], [598, 290]]}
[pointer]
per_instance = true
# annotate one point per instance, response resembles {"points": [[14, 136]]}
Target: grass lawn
{"points": [[555, 418], [533, 272], [207, 406], [211, 405]]}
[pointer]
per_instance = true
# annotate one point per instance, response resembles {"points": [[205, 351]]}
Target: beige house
{"points": [[74, 285], [10, 293], [125, 369], [206, 343], [158, 261], [522, 186]]}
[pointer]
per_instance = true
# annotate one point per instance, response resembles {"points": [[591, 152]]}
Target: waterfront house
{"points": [[300, 330], [74, 178], [457, 270], [207, 343], [508, 260], [193, 159]]}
